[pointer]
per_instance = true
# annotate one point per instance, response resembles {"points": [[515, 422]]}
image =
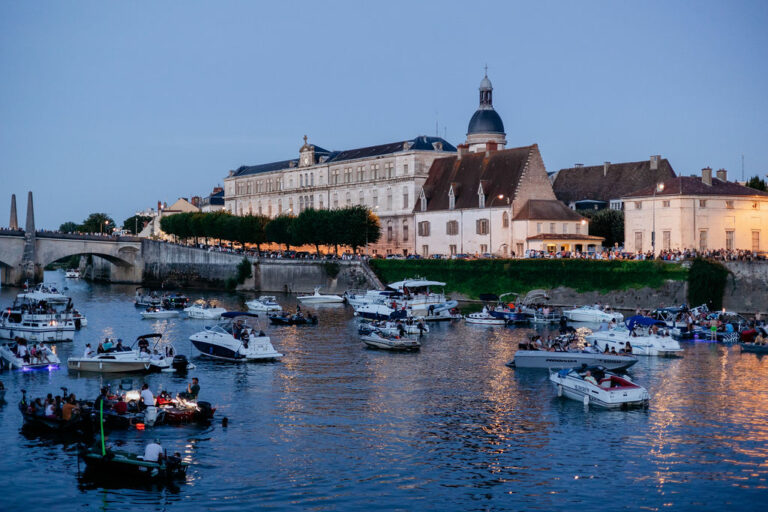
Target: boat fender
{"points": [[586, 399], [150, 415], [559, 390]]}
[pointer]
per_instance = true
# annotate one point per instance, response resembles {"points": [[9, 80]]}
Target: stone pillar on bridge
{"points": [[14, 223], [29, 269]]}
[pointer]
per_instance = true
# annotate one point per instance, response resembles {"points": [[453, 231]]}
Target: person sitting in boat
{"points": [[143, 345], [245, 337], [193, 390], [169, 352], [237, 328], [613, 351], [146, 396], [627, 348], [153, 452], [50, 409], [70, 409], [88, 352], [108, 345], [33, 354], [589, 378], [607, 350]]}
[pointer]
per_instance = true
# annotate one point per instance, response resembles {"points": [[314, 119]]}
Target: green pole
{"points": [[101, 425]]}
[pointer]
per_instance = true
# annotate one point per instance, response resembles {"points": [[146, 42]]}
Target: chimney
{"points": [[231, 173], [706, 176], [461, 150], [490, 147], [159, 205], [578, 166], [216, 190], [722, 175], [606, 165], [655, 159]]}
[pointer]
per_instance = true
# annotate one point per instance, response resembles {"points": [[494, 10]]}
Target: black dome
{"points": [[485, 121]]}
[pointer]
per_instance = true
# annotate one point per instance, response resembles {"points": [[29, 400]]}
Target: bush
{"points": [[706, 283], [244, 271]]}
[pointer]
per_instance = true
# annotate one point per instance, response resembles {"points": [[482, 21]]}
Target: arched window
{"points": [[390, 232], [505, 220], [423, 201], [451, 199], [405, 231]]}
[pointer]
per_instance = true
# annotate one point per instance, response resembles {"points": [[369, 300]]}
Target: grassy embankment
{"points": [[471, 278]]}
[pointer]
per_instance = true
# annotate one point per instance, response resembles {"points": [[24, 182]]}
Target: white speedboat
{"points": [[44, 292], [38, 357], [264, 303], [359, 298], [34, 322], [144, 298], [394, 328], [203, 309], [639, 334], [233, 339], [484, 318], [593, 314], [319, 298], [72, 273], [378, 340], [595, 386], [117, 359], [570, 359], [418, 295], [154, 312]]}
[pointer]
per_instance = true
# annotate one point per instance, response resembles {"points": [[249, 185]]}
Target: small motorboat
{"points": [[484, 318], [297, 319], [398, 328], [180, 411], [40, 357], [382, 341], [754, 348], [35, 419], [264, 303], [598, 387], [233, 339], [205, 310], [145, 298], [319, 298], [377, 311], [175, 301], [118, 359], [593, 314], [106, 463], [570, 359], [155, 312], [45, 292], [642, 334], [72, 273]]}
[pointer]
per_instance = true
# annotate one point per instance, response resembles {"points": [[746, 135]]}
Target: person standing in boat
{"points": [[146, 396]]}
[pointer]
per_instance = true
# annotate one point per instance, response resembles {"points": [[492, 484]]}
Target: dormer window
{"points": [[423, 201], [480, 199], [451, 199]]}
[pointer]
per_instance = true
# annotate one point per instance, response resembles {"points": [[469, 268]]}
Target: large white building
{"points": [[385, 178]]}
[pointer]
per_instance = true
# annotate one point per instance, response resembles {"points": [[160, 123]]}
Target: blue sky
{"points": [[110, 106]]}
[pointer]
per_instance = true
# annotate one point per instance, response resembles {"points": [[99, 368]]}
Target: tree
{"points": [[70, 227], [362, 226], [279, 230], [252, 230], [758, 184], [309, 228], [136, 223], [610, 225], [98, 223]]}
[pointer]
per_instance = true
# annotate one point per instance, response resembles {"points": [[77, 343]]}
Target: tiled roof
{"points": [[273, 166], [578, 183], [500, 173], [546, 209], [693, 186], [564, 236]]}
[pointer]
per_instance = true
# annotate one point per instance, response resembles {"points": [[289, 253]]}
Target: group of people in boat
{"points": [[626, 350], [32, 354], [53, 407]]}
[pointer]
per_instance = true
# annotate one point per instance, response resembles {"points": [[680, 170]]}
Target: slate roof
{"points": [[693, 186], [216, 198], [421, 143], [500, 174], [579, 183], [546, 209], [485, 121]]}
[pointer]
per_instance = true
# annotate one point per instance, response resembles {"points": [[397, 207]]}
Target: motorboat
{"points": [[319, 298], [299, 318], [35, 322], [44, 292], [203, 309], [175, 301], [497, 308], [106, 463], [382, 341], [72, 273], [560, 359], [755, 348], [643, 336], [144, 298], [233, 339], [33, 418], [264, 303], [376, 311], [418, 295], [118, 359], [154, 312], [359, 298], [484, 318], [398, 328], [37, 357], [593, 314], [599, 387]]}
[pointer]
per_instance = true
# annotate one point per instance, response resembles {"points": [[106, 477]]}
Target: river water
{"points": [[336, 426]]}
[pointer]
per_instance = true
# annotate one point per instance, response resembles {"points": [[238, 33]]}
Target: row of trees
{"points": [[95, 223], [354, 227]]}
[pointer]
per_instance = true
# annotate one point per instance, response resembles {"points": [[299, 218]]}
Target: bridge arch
{"points": [[117, 261]]}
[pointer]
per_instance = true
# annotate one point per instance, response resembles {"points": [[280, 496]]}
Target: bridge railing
{"points": [[81, 236], [11, 232]]}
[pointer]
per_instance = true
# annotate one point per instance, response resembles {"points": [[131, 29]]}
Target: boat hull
{"points": [[559, 360], [223, 353], [576, 389], [654, 345], [110, 367]]}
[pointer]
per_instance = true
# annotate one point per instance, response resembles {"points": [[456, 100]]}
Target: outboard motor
{"points": [[206, 411], [150, 415], [180, 363]]}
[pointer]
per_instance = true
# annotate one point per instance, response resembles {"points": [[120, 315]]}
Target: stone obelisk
{"points": [[28, 259], [14, 222]]}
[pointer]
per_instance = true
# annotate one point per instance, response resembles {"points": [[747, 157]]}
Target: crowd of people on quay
{"points": [[666, 255]]}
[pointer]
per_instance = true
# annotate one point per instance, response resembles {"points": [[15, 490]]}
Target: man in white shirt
{"points": [[146, 396], [88, 351], [153, 452]]}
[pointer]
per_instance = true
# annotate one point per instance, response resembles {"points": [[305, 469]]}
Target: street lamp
{"points": [[102, 227], [659, 188], [490, 222]]}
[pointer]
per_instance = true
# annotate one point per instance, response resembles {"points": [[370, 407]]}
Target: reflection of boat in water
{"points": [[233, 339], [754, 348], [596, 386]]}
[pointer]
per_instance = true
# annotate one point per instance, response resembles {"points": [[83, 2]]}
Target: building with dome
{"points": [[485, 126]]}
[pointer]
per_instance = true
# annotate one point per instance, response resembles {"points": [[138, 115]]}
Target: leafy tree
{"points": [[70, 227], [279, 230], [309, 228], [362, 226], [252, 230], [98, 223], [136, 223], [758, 184], [610, 225]]}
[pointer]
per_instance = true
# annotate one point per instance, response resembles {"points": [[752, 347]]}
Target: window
{"points": [[638, 205], [665, 204], [729, 239], [361, 198], [452, 227], [729, 204], [755, 241], [538, 227], [423, 201], [406, 205], [703, 240], [405, 168], [552, 227], [565, 228], [483, 248], [424, 228], [335, 176], [425, 250], [320, 201], [452, 250], [405, 231], [702, 203], [451, 199], [375, 171], [389, 169], [389, 198], [578, 228], [335, 200], [390, 232], [666, 240], [480, 200], [360, 173], [519, 250], [290, 205], [481, 226], [375, 198], [301, 203], [348, 175], [312, 201], [279, 206], [349, 198], [505, 220], [638, 241]]}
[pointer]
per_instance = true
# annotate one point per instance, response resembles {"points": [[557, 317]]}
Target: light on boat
{"points": [[139, 426]]}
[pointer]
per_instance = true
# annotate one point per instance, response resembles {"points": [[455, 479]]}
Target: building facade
{"points": [[384, 178], [696, 212]]}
